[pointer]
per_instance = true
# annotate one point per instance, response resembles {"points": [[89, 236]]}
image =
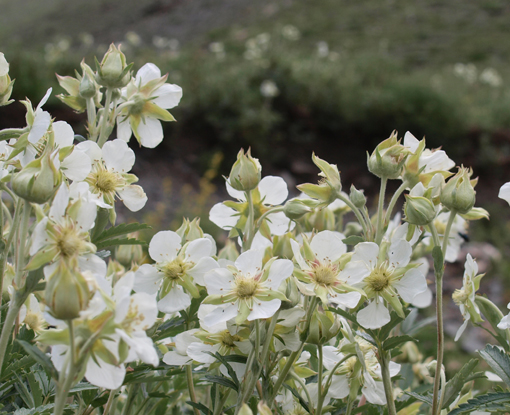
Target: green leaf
{"points": [[119, 241], [40, 357], [498, 361], [455, 384], [201, 407], [353, 240], [437, 256], [493, 316], [118, 230], [367, 337], [169, 328], [223, 381], [35, 389], [343, 313], [396, 341], [491, 402], [223, 360], [422, 398]]}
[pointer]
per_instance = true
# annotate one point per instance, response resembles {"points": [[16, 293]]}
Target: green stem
{"points": [[451, 218], [394, 199], [250, 225], [91, 118], [265, 214], [133, 389], [221, 404], [380, 211], [388, 387], [327, 384], [303, 386], [350, 404], [21, 245], [109, 403], [435, 236], [320, 393], [103, 132], [362, 221], [191, 387], [15, 304], [66, 379]]}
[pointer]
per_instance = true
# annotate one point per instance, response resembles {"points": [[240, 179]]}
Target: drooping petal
{"points": [[221, 313], [373, 391], [264, 309], [327, 246], [223, 216], [504, 192], [42, 121], [175, 300], [124, 131], [168, 96], [147, 73], [349, 300], [339, 388], [373, 316], [150, 132], [273, 190], [279, 224], [164, 246], [198, 352], [463, 327], [297, 255], [173, 358], [142, 346], [105, 375], [236, 194], [118, 156], [423, 299]]}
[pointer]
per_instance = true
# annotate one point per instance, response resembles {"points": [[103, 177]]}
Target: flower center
{"points": [[228, 340], [175, 270], [69, 242], [324, 274], [245, 287], [34, 321], [460, 296], [378, 279], [105, 181]]}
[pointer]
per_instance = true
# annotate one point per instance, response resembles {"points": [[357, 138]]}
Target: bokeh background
{"points": [[288, 77]]}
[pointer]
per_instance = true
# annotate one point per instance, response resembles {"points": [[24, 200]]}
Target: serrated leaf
{"points": [[201, 407], [16, 365], [343, 313], [40, 357], [490, 402], [395, 341], [455, 384], [221, 380], [119, 230], [367, 337], [119, 241], [35, 389], [422, 398], [231, 372], [353, 240], [169, 328], [498, 361]]}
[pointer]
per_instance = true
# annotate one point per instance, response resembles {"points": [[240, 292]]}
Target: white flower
{"points": [[177, 270], [245, 290], [384, 279], [109, 176], [504, 192], [146, 100]]}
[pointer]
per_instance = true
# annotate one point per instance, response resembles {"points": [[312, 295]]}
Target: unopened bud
{"points": [[38, 181], [128, 255], [292, 293], [88, 87], [323, 327], [245, 410], [419, 210], [67, 292], [246, 172], [112, 71], [459, 194], [295, 209], [263, 409], [357, 197], [387, 160]]}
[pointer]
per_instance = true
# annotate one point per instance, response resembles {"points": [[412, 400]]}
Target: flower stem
{"points": [[250, 225], [103, 132], [394, 199], [91, 118], [66, 379], [191, 387], [321, 392], [364, 224], [451, 218], [388, 387], [380, 211]]}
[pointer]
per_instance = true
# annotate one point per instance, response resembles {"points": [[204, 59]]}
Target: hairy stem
{"points": [[388, 387], [380, 212]]}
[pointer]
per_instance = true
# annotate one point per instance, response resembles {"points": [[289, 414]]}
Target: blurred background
{"points": [[288, 77]]}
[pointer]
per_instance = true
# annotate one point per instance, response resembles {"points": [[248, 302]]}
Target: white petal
{"points": [[366, 252], [290, 317], [44, 99], [124, 131], [91, 149], [219, 281], [76, 166], [150, 132], [354, 272], [394, 368], [147, 73], [259, 241], [436, 161], [504, 323], [105, 375], [64, 134], [92, 263], [250, 262], [349, 300], [175, 300], [4, 66], [339, 388], [399, 253], [236, 194], [86, 215], [133, 197], [146, 310], [411, 142], [297, 255], [373, 391], [504, 192], [42, 121], [197, 351], [264, 309], [281, 269], [273, 190], [147, 279], [168, 96], [173, 358], [461, 329], [142, 346], [279, 224], [198, 249], [203, 266], [59, 205], [423, 299], [327, 246], [373, 316], [164, 246], [223, 216], [411, 284], [118, 156], [221, 313], [204, 311]]}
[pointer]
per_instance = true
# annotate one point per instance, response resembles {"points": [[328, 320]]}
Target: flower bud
{"points": [[5, 82], [296, 208], [113, 72], [245, 410], [292, 293], [38, 181], [357, 197], [67, 292], [459, 193], [419, 210], [128, 255], [246, 172], [88, 88], [323, 327], [387, 160], [263, 409]]}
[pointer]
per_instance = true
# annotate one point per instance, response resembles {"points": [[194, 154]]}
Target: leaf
{"points": [[353, 240], [498, 361], [231, 371], [222, 380], [169, 328], [422, 398], [35, 389], [490, 402], [455, 384], [298, 396], [119, 241], [395, 341], [367, 337], [343, 313], [40, 358], [118, 230], [493, 316], [201, 407]]}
